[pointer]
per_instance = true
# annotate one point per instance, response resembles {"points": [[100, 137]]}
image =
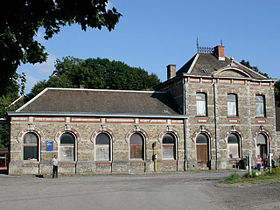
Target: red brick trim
{"points": [[265, 83], [103, 164], [260, 120], [120, 120], [202, 119], [235, 131], [49, 119], [204, 131], [152, 121], [19, 119], [137, 130], [180, 122], [238, 82], [102, 130], [233, 121], [85, 120], [207, 81], [171, 131]]}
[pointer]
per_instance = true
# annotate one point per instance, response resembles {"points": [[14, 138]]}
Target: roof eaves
{"points": [[88, 114]]}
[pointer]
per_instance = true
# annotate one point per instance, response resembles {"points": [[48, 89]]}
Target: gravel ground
{"points": [[148, 191]]}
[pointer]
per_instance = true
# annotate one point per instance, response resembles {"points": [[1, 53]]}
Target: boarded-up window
{"points": [[201, 109], [169, 147], [136, 146], [260, 106], [261, 145], [102, 150], [233, 146], [232, 104], [67, 147], [30, 146]]}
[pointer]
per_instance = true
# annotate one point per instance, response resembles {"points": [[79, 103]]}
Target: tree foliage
{"points": [[276, 85], [98, 74], [20, 20]]}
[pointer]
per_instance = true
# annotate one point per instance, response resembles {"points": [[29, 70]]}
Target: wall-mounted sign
{"points": [[49, 145]]}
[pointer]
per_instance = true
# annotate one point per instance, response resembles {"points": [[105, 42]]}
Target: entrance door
{"points": [[202, 151], [261, 145]]}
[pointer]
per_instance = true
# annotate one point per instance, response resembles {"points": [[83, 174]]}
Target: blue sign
{"points": [[49, 146]]}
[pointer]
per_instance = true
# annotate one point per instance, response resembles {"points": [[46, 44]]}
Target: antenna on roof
{"points": [[221, 42], [197, 44]]}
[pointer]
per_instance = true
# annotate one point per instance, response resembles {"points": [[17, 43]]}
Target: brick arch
{"points": [[102, 130], [235, 131], [31, 129], [137, 129], [262, 131], [67, 130], [168, 130], [203, 131]]}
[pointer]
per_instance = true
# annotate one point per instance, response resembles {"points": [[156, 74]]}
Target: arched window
{"points": [[261, 145], [169, 146], [201, 104], [233, 146], [136, 146], [202, 150], [30, 146], [102, 147], [67, 147], [232, 105]]}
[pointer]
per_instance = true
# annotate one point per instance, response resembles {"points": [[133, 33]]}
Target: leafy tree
{"points": [[15, 85], [277, 84], [97, 73], [20, 20]]}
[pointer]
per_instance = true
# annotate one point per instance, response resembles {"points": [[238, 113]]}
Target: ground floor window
{"points": [[102, 147], [202, 149], [233, 146], [67, 147], [261, 145], [136, 146], [30, 146], [169, 147]]}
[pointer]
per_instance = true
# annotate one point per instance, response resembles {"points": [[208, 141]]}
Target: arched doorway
{"points": [[202, 151], [262, 147]]}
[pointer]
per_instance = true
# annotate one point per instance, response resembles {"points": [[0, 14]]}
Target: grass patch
{"points": [[255, 178]]}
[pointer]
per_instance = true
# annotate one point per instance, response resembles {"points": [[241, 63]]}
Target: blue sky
{"points": [[154, 33]]}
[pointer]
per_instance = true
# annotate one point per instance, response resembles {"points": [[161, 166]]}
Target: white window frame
{"points": [[110, 148], [38, 147], [232, 106], [201, 105], [75, 152]]}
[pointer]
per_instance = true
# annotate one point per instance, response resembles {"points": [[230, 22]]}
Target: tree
{"points": [[97, 73], [20, 21], [276, 85]]}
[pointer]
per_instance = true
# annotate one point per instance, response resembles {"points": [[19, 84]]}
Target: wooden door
{"points": [[202, 155]]}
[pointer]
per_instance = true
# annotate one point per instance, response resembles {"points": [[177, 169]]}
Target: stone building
{"points": [[210, 114]]}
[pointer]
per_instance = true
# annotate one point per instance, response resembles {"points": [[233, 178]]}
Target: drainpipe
{"points": [[216, 121], [185, 124]]}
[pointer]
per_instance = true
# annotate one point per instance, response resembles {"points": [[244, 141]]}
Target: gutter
{"points": [[90, 114]]}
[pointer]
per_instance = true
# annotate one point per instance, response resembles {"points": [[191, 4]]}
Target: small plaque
{"points": [[49, 146]]}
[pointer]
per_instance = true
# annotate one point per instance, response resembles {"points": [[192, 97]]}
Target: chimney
{"points": [[171, 71], [219, 52]]}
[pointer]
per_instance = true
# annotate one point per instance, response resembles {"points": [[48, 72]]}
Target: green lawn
{"points": [[255, 178]]}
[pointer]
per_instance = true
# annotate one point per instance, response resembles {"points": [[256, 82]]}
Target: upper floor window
{"points": [[102, 144], [30, 146], [169, 146], [201, 104], [67, 147], [232, 104], [136, 146], [260, 106]]}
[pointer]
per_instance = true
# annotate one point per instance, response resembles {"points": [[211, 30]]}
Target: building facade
{"points": [[210, 114]]}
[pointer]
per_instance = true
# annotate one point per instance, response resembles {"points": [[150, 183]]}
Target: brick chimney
{"points": [[219, 52], [171, 71]]}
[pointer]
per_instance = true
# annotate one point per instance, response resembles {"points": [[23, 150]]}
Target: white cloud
{"points": [[48, 66], [30, 82]]}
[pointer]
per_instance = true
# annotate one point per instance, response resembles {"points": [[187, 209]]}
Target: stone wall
{"points": [[85, 131]]}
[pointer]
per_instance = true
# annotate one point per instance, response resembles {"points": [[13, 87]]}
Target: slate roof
{"points": [[210, 63], [65, 100]]}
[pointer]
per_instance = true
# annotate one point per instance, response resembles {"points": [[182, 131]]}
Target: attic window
{"points": [[205, 71]]}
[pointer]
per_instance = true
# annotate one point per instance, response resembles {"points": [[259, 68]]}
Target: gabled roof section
{"points": [[207, 64], [118, 102]]}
